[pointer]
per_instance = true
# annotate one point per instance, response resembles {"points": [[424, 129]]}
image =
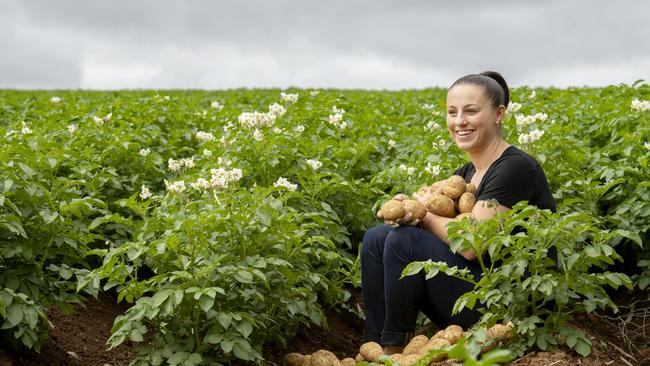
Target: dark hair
{"points": [[492, 82]]}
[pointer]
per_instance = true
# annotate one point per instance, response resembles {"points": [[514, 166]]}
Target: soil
{"points": [[80, 338]]}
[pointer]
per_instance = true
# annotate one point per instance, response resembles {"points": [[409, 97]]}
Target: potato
{"points": [[416, 208], [438, 334], [349, 361], [441, 205], [436, 185], [466, 202], [499, 331], [452, 333], [415, 344], [293, 359], [359, 358], [407, 360], [371, 351], [434, 343], [454, 187], [463, 215], [324, 358], [307, 361], [470, 187], [392, 210]]}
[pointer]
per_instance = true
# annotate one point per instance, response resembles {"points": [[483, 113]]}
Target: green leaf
{"points": [[412, 268], [245, 328]]}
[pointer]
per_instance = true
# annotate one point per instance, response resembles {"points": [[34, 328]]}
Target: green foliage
{"points": [[213, 275], [523, 284]]}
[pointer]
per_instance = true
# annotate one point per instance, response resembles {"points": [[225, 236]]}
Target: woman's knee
{"points": [[374, 239], [402, 239]]}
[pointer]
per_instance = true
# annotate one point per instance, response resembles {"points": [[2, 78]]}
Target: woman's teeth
{"points": [[464, 132]]}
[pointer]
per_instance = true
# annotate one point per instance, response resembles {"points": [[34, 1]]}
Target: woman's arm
{"points": [[437, 225]]}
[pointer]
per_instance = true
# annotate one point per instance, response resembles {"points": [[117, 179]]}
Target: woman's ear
{"points": [[501, 110]]}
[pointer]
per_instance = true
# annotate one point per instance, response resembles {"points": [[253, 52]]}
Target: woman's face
{"points": [[471, 119]]}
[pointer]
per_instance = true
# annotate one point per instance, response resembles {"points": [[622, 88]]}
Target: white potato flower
{"points": [[315, 164], [289, 98], [410, 170], [200, 184], [258, 135], [514, 107], [523, 139], [175, 187], [55, 99], [207, 153], [204, 136], [640, 105], [98, 120], [174, 165], [536, 135], [277, 110], [300, 128], [216, 105], [145, 152], [532, 95], [391, 143], [283, 182], [432, 125], [434, 170], [72, 128], [25, 130], [314, 93], [145, 192], [646, 145]]}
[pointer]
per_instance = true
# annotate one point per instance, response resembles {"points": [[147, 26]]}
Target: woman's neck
{"points": [[484, 158]]}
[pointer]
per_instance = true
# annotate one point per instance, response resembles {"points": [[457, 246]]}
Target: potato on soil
{"points": [[499, 331], [392, 210], [438, 334], [470, 187], [407, 360], [324, 358], [452, 333], [293, 359], [415, 344], [466, 202], [371, 351], [349, 361], [454, 187], [434, 343], [441, 205], [416, 208]]}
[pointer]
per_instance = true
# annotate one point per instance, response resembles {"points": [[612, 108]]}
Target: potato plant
{"points": [[75, 217]]}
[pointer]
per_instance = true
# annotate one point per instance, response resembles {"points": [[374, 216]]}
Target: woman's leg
{"points": [[372, 281], [406, 297]]}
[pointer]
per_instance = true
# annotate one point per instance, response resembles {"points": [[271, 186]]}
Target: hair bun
{"points": [[501, 81]]}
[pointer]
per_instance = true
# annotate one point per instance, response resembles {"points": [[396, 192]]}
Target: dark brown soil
{"points": [[80, 338]]}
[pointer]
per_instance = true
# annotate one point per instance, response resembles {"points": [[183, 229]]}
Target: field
{"points": [[225, 222]]}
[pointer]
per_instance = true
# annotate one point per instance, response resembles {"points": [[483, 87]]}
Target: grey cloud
{"points": [[392, 44]]}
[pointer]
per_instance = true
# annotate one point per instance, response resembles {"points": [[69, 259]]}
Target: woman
{"points": [[476, 105]]}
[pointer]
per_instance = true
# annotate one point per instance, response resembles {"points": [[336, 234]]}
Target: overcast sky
{"points": [[375, 44]]}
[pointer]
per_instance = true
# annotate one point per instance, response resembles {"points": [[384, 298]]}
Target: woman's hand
{"points": [[405, 220]]}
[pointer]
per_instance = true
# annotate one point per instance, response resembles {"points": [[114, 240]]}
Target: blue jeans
{"points": [[392, 305]]}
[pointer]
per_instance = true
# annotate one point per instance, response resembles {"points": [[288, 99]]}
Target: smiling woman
{"points": [[476, 105]]}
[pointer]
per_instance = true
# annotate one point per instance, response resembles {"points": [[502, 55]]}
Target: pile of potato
{"points": [[452, 197], [417, 348]]}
